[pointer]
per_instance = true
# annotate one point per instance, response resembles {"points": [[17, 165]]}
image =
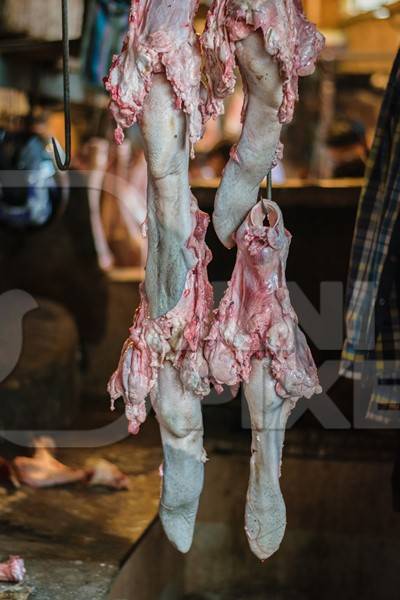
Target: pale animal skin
{"points": [[42, 470], [161, 38], [273, 44], [156, 81], [176, 337], [169, 222], [181, 424], [287, 35], [175, 349], [257, 147], [265, 514], [255, 339]]}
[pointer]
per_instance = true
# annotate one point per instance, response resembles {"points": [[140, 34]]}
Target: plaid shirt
{"points": [[371, 351]]}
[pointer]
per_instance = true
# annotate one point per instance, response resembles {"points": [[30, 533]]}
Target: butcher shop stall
{"points": [[199, 299]]}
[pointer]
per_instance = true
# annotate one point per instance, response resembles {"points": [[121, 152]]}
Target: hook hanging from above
{"points": [[269, 185], [63, 164]]}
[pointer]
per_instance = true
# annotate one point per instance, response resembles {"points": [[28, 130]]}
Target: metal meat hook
{"points": [[269, 185], [64, 166]]}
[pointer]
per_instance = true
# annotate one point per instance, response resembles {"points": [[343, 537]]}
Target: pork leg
{"points": [[169, 223], [258, 144], [169, 226], [265, 515], [181, 425]]}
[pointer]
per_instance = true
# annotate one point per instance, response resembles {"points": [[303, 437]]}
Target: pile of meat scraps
{"points": [[43, 470]]}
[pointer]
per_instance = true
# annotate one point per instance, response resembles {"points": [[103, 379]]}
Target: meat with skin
{"points": [[273, 44], [259, 144], [169, 200], [43, 470], [255, 339], [265, 514], [180, 418], [255, 318], [12, 571], [176, 338], [287, 36], [103, 473], [156, 81], [161, 38]]}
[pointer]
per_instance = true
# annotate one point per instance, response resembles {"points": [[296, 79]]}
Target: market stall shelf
{"points": [[75, 539]]}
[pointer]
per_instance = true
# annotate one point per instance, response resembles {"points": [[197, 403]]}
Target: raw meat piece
{"points": [[121, 213], [255, 318], [288, 36], [180, 418], [43, 470], [169, 203], [176, 337], [273, 44], [156, 80], [102, 472], [161, 38], [255, 322], [265, 515], [259, 141], [255, 339], [13, 570]]}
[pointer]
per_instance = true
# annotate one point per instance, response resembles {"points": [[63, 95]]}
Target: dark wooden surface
{"points": [[321, 220], [59, 262], [43, 391], [74, 539]]}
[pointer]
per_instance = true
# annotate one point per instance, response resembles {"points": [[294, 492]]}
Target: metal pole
{"points": [[64, 166]]}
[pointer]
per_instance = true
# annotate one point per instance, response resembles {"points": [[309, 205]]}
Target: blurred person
{"points": [[123, 208], [137, 176], [347, 148]]}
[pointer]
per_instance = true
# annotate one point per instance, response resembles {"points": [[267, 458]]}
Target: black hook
{"points": [[64, 166]]}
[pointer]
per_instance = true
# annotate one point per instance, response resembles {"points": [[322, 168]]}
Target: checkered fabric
{"points": [[372, 348]]}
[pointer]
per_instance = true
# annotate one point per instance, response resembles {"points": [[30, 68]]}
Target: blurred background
{"points": [[75, 244], [329, 138]]}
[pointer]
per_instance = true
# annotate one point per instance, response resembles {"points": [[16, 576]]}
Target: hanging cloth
{"points": [[371, 351]]}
